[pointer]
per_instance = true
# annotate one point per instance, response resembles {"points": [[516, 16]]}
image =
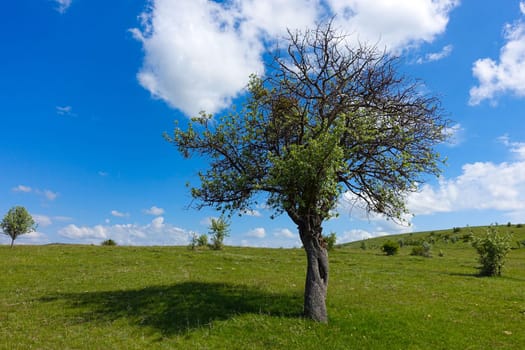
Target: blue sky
{"points": [[88, 88]]}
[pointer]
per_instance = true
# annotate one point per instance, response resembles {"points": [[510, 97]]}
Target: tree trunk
{"points": [[316, 274], [12, 242]]}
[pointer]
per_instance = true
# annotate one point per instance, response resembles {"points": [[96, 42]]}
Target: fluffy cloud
{"points": [[258, 232], [156, 211], [119, 214], [507, 75], [42, 220], [200, 53], [284, 233], [481, 186], [394, 24], [155, 233]]}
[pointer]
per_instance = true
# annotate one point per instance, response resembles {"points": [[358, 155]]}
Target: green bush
{"points": [[330, 241], [492, 248], [109, 242], [202, 241], [390, 248], [422, 250], [363, 245], [219, 229]]}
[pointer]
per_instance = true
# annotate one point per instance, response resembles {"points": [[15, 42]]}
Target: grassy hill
{"points": [[97, 297]]}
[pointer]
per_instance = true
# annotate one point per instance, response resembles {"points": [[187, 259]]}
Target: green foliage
{"points": [[456, 229], [330, 241], [202, 241], [218, 230], [363, 245], [492, 248], [17, 222], [422, 250], [109, 242], [390, 247]]}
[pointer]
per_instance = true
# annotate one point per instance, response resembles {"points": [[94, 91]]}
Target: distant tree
{"points": [[108, 242], [219, 229], [330, 241], [202, 240], [492, 248], [327, 118], [17, 222]]}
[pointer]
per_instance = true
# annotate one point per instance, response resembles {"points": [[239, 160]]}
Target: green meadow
{"points": [[116, 297]]}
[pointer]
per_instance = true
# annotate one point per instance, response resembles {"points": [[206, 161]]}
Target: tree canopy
{"points": [[17, 222], [327, 118]]}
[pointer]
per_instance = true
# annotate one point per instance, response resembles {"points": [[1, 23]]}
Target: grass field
{"points": [[98, 297]]}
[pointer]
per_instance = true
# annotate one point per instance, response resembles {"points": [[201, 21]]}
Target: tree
{"points": [[17, 222], [328, 118], [219, 229]]}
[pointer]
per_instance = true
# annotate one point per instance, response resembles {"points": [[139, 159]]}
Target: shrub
{"points": [[456, 229], [492, 248], [363, 245], [202, 241], [390, 248], [330, 241], [422, 250], [109, 242], [519, 225], [219, 229]]}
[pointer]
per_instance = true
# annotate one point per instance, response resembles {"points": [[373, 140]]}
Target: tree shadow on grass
{"points": [[177, 308]]}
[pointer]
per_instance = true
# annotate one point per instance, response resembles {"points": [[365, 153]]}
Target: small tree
{"points": [[492, 248], [219, 229], [108, 242], [17, 222], [390, 247], [202, 240], [330, 241]]}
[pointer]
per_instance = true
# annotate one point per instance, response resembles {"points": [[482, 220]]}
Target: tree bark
{"points": [[316, 274]]}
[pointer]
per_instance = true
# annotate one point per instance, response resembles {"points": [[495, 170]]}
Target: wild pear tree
{"points": [[17, 222], [327, 118]]}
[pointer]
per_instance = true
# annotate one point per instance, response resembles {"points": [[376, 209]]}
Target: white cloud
{"points": [[154, 211], [65, 110], [22, 188], [32, 238], [42, 220], [284, 233], [454, 134], [119, 214], [50, 195], [156, 233], [436, 56], [395, 24], [157, 223], [518, 148], [507, 75], [522, 7], [63, 5], [481, 186], [228, 39], [258, 232]]}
